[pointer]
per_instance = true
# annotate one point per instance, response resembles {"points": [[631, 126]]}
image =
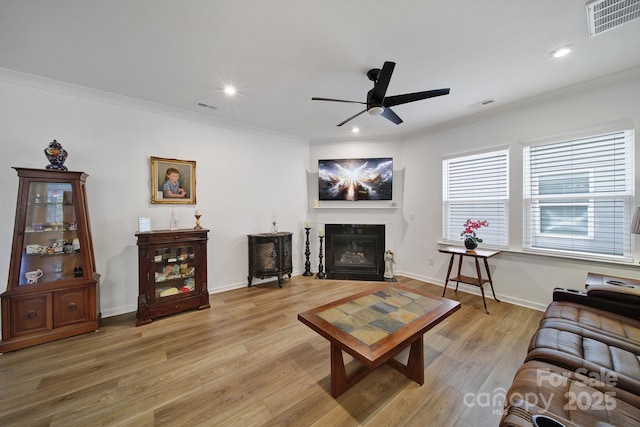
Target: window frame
{"points": [[618, 199], [499, 228]]}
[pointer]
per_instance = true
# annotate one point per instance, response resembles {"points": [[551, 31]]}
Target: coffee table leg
{"points": [[415, 364], [338, 372], [340, 382], [414, 369]]}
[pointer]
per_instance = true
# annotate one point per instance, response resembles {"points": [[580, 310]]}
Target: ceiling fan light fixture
{"points": [[375, 111]]}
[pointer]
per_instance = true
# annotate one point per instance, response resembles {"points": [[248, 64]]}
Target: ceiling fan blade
{"points": [[381, 85], [351, 118], [337, 100], [391, 101], [390, 115]]}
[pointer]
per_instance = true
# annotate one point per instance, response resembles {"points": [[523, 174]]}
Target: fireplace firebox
{"points": [[355, 251]]}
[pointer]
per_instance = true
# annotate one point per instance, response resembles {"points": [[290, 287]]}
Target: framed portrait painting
{"points": [[173, 181]]}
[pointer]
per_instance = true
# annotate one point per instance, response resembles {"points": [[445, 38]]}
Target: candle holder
{"points": [[307, 252], [320, 274], [197, 227]]}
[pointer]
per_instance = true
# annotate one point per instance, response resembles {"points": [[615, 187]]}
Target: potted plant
{"points": [[469, 235]]}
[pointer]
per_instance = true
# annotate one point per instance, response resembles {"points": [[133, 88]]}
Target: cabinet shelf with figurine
{"points": [[172, 273], [53, 288]]}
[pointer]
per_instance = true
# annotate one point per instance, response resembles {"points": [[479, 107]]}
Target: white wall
{"points": [[519, 278], [243, 177]]}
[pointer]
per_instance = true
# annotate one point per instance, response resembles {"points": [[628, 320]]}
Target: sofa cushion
{"points": [[567, 396], [574, 347], [608, 323]]}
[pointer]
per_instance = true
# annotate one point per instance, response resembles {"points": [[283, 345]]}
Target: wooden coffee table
{"points": [[374, 326]]}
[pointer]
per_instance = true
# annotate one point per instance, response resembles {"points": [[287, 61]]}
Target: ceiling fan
{"points": [[377, 101]]}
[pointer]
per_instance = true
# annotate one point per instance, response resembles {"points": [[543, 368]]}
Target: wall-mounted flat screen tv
{"points": [[355, 179]]}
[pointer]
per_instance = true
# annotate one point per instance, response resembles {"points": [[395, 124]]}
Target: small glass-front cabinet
{"points": [[172, 268], [53, 289]]}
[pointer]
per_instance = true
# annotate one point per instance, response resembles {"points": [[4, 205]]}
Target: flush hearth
{"points": [[355, 251]]}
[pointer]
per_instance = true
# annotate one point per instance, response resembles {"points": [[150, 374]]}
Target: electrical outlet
{"points": [[430, 261]]}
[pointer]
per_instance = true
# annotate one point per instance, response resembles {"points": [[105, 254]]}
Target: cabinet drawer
{"points": [[71, 306], [176, 305], [166, 237], [30, 314]]}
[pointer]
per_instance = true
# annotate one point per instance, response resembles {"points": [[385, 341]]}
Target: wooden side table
{"points": [[476, 281]]}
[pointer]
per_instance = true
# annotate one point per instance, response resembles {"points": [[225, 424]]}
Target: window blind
{"points": [[579, 196], [477, 187]]}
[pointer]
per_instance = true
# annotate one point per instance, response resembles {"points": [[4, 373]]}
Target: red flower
{"points": [[470, 227]]}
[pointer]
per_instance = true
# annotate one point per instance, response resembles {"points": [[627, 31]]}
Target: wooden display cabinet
{"points": [[172, 270], [53, 288], [269, 255]]}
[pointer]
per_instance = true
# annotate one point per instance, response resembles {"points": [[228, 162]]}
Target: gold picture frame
{"points": [[184, 188]]}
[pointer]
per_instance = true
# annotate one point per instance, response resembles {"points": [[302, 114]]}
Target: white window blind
{"points": [[477, 187], [579, 196]]}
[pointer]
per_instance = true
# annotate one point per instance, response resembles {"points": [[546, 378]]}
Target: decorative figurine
{"points": [[56, 156], [173, 221], [198, 215], [388, 265], [33, 276], [58, 268]]}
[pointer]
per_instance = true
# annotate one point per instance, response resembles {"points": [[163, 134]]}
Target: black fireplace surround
{"points": [[355, 251]]}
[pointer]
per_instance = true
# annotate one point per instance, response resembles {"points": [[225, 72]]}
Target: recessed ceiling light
{"points": [[229, 90], [355, 130], [560, 52]]}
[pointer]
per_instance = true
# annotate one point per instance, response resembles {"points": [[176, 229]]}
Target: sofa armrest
{"points": [[610, 298], [520, 414]]}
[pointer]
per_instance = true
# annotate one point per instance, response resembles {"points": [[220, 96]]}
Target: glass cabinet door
{"points": [[51, 245], [174, 270]]}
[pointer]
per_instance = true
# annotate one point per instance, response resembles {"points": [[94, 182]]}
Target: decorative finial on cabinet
{"points": [[56, 156]]}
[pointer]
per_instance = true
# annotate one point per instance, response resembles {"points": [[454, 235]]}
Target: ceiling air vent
{"points": [[481, 104], [203, 105], [604, 15]]}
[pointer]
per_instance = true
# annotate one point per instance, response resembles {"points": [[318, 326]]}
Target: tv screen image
{"points": [[355, 179]]}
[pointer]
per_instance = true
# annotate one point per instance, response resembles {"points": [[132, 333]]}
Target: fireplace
{"points": [[354, 251]]}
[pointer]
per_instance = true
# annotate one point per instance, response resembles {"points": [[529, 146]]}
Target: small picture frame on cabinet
{"points": [[144, 224], [173, 181]]}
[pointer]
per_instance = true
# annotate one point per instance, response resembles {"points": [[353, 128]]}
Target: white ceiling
{"points": [[280, 53]]}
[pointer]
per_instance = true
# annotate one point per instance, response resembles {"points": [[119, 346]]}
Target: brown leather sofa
{"points": [[583, 362]]}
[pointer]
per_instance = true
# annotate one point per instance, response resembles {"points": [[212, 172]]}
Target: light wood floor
{"points": [[249, 361]]}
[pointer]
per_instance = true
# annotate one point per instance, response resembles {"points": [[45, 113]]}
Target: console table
{"points": [[269, 255], [478, 281]]}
